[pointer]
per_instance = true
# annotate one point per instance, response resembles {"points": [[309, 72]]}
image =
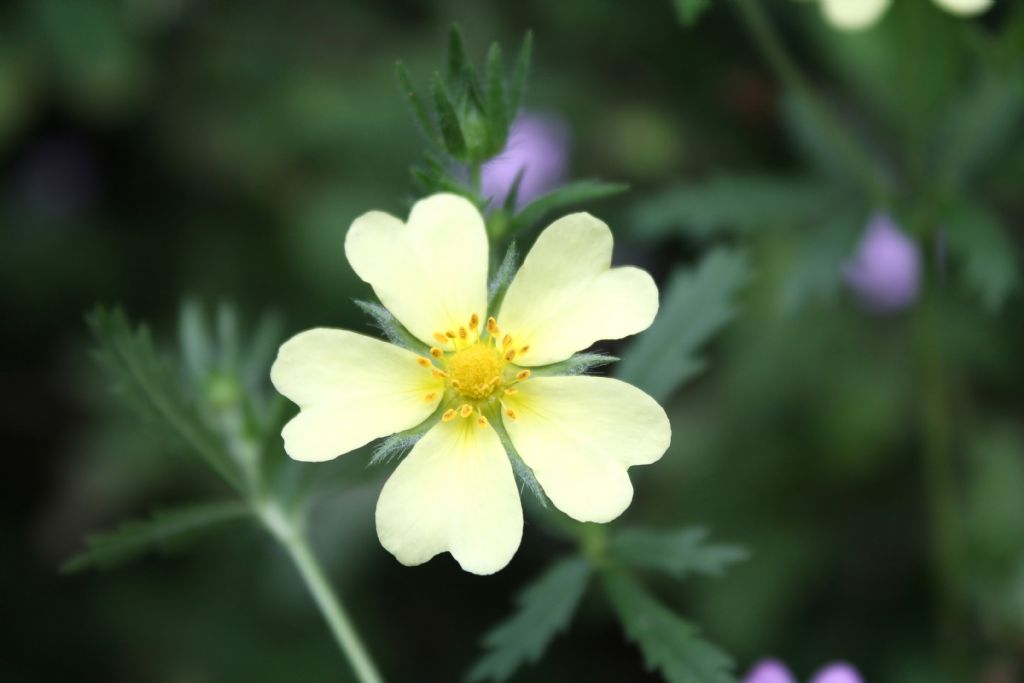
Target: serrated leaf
{"points": [[814, 274], [697, 303], [497, 106], [418, 106], [164, 529], [740, 203], [668, 643], [448, 119], [545, 608], [130, 359], [678, 553], [574, 193], [518, 86], [989, 261], [689, 11]]}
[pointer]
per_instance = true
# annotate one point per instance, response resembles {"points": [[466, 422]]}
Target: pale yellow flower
{"points": [[854, 15], [455, 491]]}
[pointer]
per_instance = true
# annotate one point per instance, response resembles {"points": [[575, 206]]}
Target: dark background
{"points": [[162, 149]]}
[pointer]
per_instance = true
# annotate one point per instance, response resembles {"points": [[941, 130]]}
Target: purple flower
{"points": [[885, 272], [538, 143], [774, 671]]}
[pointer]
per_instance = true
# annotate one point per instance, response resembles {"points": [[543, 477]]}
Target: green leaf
{"points": [[419, 108], [545, 608], [149, 383], [698, 302], [980, 125], [989, 262], [161, 531], [668, 643], [732, 202], [518, 86], [678, 553], [574, 193], [497, 106], [393, 330], [689, 11], [577, 364], [456, 54], [814, 272], [451, 129], [502, 278]]}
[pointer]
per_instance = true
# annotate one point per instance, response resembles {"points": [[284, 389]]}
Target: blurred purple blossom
{"points": [[774, 671], [540, 144], [885, 271]]}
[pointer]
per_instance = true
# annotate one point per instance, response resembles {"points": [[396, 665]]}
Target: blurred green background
{"points": [[153, 150]]}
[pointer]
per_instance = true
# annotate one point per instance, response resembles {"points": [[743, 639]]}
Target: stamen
{"points": [[492, 326], [449, 415], [466, 410], [481, 421], [474, 321], [524, 349], [462, 333], [423, 361], [430, 397], [510, 414], [438, 373], [511, 391], [522, 374], [455, 384], [449, 334], [510, 355], [507, 341], [440, 338], [436, 352]]}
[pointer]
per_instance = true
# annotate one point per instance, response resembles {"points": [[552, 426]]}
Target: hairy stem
{"points": [[296, 544]]}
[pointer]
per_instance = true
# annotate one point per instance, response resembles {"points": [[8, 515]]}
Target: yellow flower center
{"points": [[475, 371], [474, 362]]}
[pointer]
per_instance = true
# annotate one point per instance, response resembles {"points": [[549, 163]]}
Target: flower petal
{"points": [[455, 491], [430, 272], [769, 671], [965, 7], [580, 434], [564, 298], [839, 672], [351, 389], [853, 15]]}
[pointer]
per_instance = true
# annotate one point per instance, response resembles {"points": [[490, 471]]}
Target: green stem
{"points": [[295, 542], [787, 71], [939, 468]]}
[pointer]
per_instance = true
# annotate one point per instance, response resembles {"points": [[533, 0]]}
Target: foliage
{"points": [[545, 608], [677, 553]]}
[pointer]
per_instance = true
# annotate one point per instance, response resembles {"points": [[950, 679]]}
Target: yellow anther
{"points": [[423, 361], [440, 338], [466, 410], [510, 355], [436, 352], [524, 349], [511, 391], [482, 421], [438, 373], [510, 414], [430, 397], [507, 341], [456, 384], [450, 334], [462, 333], [449, 415], [492, 326], [523, 374], [474, 321]]}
